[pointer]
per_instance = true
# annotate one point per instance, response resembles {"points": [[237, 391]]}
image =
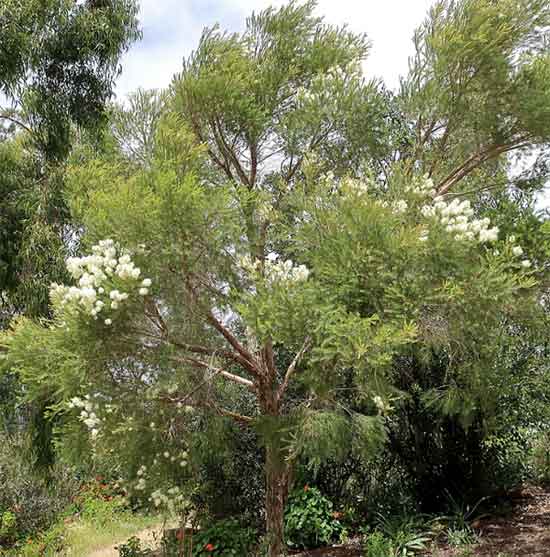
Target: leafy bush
{"points": [[376, 545], [34, 500], [132, 548], [8, 525], [541, 459], [225, 538], [221, 452], [406, 535], [310, 520]]}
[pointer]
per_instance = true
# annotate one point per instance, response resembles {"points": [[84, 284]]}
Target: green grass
{"points": [[100, 524], [83, 537]]}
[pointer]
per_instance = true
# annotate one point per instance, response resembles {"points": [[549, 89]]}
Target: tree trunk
{"points": [[276, 492]]}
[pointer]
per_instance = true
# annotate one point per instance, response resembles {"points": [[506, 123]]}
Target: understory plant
{"points": [[310, 519]]}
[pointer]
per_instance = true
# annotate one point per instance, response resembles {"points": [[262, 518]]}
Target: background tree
{"points": [[58, 63]]}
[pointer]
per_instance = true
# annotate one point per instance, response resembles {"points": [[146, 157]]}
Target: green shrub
{"points": [[310, 520], [376, 545], [35, 501], [541, 458], [132, 548], [407, 535], [8, 525], [225, 538]]}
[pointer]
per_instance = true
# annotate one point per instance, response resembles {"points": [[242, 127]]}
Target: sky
{"points": [[172, 28]]}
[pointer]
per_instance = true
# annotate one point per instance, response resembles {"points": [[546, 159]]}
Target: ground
{"points": [[524, 531]]}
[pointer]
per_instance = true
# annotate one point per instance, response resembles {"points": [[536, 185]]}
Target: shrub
{"points": [[310, 520], [376, 545], [132, 548], [225, 538], [541, 458], [34, 500]]}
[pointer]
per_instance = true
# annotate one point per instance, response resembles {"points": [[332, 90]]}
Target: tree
{"points": [[59, 60], [307, 295], [58, 63]]}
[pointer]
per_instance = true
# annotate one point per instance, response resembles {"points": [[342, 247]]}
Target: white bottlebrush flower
{"points": [[526, 263], [517, 250], [400, 206], [108, 322], [146, 282], [143, 291]]}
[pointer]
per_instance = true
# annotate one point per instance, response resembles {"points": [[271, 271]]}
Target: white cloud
{"points": [[171, 30]]}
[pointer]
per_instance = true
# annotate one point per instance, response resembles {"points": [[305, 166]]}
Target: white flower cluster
{"points": [[359, 187], [381, 405], [518, 252], [88, 413], [95, 274], [276, 271], [423, 186], [456, 216], [171, 499], [400, 206]]}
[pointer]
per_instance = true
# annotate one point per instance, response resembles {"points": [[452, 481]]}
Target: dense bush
{"points": [[221, 453], [225, 538], [310, 519], [29, 502]]}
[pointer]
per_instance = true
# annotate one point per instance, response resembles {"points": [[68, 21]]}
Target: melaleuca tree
{"points": [[243, 274]]}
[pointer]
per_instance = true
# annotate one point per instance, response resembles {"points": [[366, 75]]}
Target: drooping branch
{"points": [[16, 121]]}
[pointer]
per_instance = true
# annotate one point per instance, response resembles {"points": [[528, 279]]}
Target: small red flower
{"points": [[209, 547], [306, 487]]}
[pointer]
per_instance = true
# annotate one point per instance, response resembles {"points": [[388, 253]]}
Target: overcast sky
{"points": [[172, 28]]}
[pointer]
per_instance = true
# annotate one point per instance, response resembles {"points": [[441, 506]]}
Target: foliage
{"points": [[310, 519], [132, 548], [320, 285], [376, 544], [408, 535], [29, 503], [225, 538], [541, 458], [60, 61]]}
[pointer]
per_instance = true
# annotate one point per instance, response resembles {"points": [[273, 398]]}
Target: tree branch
{"points": [[248, 360], [292, 368], [476, 160], [7, 116], [216, 371]]}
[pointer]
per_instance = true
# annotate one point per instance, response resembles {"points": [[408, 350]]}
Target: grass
{"points": [[99, 525], [84, 537]]}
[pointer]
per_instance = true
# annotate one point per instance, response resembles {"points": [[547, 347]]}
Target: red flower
{"points": [[306, 487], [209, 547]]}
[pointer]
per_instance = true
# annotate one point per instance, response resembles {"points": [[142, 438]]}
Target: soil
{"points": [[523, 532]]}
